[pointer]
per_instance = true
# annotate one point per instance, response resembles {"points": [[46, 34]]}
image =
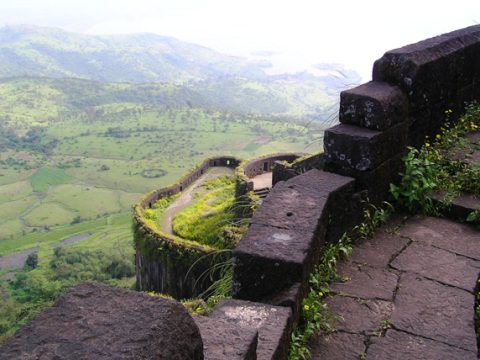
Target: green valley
{"points": [[89, 123]]}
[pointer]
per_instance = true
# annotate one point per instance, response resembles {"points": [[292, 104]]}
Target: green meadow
{"points": [[78, 167]]}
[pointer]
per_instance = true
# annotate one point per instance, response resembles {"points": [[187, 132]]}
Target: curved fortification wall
{"points": [[164, 263], [176, 266]]}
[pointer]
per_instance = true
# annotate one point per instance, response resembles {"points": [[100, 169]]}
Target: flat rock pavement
{"points": [[406, 293]]}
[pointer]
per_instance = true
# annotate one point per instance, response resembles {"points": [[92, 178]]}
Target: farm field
{"points": [[98, 168]]}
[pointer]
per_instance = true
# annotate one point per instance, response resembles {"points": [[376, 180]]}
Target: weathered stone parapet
{"points": [[283, 171], [412, 88], [286, 235], [96, 321], [361, 149], [433, 69], [374, 105]]}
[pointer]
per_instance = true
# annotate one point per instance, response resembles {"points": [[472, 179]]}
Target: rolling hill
{"points": [[50, 52]]}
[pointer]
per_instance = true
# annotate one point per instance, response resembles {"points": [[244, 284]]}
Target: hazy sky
{"points": [[299, 32]]}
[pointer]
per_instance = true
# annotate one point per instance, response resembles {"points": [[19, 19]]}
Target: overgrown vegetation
{"points": [[373, 218], [440, 167], [315, 315], [206, 219], [35, 287]]}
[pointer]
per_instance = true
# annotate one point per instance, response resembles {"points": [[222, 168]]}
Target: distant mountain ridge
{"points": [[137, 58], [151, 69]]}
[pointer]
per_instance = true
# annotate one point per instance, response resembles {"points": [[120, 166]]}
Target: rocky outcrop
{"points": [[95, 321]]}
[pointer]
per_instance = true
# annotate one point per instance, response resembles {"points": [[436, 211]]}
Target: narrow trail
{"points": [[186, 196]]}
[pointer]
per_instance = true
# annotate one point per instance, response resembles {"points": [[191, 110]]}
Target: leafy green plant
{"points": [[373, 218], [474, 216], [315, 315], [385, 324], [418, 182], [438, 166], [205, 220]]}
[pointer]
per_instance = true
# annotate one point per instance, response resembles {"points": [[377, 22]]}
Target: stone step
{"points": [[223, 340], [273, 323], [460, 207], [262, 193]]}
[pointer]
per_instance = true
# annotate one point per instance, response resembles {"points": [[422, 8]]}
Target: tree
{"points": [[31, 262]]}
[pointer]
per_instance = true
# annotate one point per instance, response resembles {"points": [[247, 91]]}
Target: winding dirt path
{"points": [[186, 196]]}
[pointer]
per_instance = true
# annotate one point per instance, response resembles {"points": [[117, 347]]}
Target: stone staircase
{"points": [[262, 193]]}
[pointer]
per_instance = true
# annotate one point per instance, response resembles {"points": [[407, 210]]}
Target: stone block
{"points": [[291, 297], [339, 346], [273, 324], [439, 265], [377, 181], [366, 250], [365, 282], [353, 147], [286, 233], [374, 105], [432, 310], [96, 321], [268, 259], [433, 68], [223, 340], [359, 316], [398, 345], [461, 239], [461, 206]]}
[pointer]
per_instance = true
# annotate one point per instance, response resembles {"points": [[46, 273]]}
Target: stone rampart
{"points": [[169, 264]]}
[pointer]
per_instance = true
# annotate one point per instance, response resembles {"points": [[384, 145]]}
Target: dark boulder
{"points": [[96, 321]]}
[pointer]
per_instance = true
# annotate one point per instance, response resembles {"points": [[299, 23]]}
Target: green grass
{"points": [[56, 234], [14, 209], [204, 221], [49, 214], [14, 191], [45, 177]]}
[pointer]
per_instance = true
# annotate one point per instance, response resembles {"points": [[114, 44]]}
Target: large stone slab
{"points": [[338, 346], [223, 340], [268, 259], [365, 282], [361, 149], [298, 203], [437, 264], [459, 238], [273, 324], [95, 321], [435, 311], [398, 345], [374, 105], [359, 316], [379, 250]]}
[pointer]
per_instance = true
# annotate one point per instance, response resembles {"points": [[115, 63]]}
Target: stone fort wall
{"points": [[406, 100]]}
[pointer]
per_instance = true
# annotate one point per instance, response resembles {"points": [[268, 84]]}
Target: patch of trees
{"points": [[34, 287]]}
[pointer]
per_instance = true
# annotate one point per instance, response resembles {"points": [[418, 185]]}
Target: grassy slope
{"points": [[29, 50], [88, 162]]}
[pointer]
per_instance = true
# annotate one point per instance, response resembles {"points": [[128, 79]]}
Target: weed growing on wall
{"points": [[373, 218], [439, 166], [315, 315]]}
